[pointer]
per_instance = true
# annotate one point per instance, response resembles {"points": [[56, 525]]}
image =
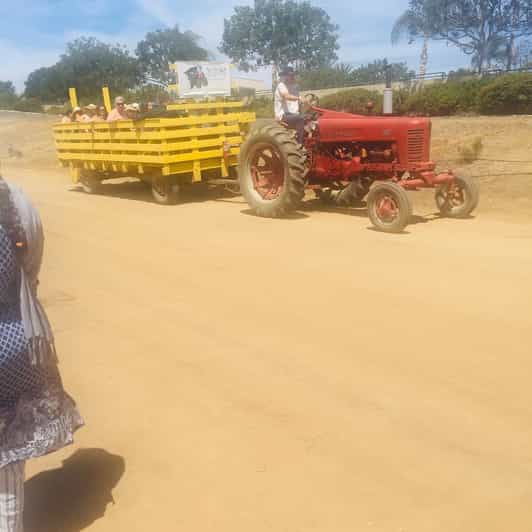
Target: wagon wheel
{"points": [[459, 198], [164, 192], [90, 183], [389, 207], [233, 188]]}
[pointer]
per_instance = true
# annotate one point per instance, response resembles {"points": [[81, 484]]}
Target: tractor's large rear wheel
{"points": [[272, 171], [459, 198], [389, 207]]}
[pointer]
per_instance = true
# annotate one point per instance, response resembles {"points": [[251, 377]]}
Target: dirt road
{"points": [[307, 374]]}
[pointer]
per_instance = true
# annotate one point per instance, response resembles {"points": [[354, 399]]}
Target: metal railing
{"points": [[430, 76]]}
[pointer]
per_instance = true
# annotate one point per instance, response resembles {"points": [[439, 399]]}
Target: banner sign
{"points": [[197, 79]]}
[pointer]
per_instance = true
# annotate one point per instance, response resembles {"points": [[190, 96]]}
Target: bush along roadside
{"points": [[507, 94]]}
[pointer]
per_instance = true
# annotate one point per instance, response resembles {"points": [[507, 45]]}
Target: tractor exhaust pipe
{"points": [[387, 106]]}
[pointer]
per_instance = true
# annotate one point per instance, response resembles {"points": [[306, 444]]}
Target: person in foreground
{"points": [[37, 416]]}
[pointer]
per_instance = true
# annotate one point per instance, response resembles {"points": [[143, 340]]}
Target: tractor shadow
{"points": [[72, 497], [296, 215], [133, 190], [359, 211]]}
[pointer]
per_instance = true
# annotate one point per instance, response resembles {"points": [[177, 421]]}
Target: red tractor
{"points": [[345, 158]]}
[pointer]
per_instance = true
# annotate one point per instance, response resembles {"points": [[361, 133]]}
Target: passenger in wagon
{"points": [[133, 111], [77, 114], [66, 118], [119, 112], [90, 113], [101, 115]]}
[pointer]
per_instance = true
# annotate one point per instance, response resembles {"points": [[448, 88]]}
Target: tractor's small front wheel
{"points": [[89, 182], [389, 207], [164, 192], [459, 198]]}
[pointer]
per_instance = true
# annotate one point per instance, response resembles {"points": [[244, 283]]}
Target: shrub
{"points": [[7, 101], [447, 98], [470, 153], [28, 105], [56, 109], [352, 101], [262, 107], [508, 94], [400, 101]]}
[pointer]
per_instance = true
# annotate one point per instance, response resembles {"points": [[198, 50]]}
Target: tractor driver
{"points": [[286, 103]]}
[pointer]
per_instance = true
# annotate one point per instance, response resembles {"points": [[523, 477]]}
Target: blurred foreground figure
{"points": [[37, 417]]}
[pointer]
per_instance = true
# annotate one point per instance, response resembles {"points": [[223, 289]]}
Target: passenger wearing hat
{"points": [[133, 111], [90, 113], [286, 103], [119, 112]]}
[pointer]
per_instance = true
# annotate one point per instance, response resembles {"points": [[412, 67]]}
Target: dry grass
{"points": [[504, 168], [469, 153]]}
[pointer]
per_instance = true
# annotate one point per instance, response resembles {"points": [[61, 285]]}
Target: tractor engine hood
{"points": [[344, 127]]}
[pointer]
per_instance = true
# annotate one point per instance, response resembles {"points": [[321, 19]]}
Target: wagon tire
{"points": [[389, 207], [90, 183], [164, 192], [458, 199], [272, 171]]}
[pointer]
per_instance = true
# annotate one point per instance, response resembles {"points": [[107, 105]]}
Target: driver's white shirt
{"points": [[283, 106]]}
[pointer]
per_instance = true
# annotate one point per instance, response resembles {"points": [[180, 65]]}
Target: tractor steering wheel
{"points": [[311, 100]]}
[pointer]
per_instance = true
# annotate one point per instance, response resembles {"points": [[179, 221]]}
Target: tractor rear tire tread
{"points": [[294, 185]]}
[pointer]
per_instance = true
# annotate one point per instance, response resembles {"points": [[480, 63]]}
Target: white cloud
{"points": [[160, 11]]}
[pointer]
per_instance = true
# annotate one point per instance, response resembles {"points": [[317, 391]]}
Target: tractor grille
{"points": [[416, 145]]}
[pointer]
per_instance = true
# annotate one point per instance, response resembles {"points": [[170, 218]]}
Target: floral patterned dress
{"points": [[36, 415]]}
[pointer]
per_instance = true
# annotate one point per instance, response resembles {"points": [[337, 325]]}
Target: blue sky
{"points": [[33, 33]]}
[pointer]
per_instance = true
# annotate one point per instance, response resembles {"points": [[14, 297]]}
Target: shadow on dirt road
{"points": [[72, 497]]}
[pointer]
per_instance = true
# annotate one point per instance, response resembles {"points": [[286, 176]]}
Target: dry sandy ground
{"points": [[297, 375]]}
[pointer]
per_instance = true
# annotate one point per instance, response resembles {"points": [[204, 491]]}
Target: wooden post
{"points": [[107, 99], [73, 97]]}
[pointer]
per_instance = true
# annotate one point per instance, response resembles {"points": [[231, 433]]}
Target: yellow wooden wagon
{"points": [[201, 144]]}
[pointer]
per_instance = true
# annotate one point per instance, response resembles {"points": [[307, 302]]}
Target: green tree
{"points": [[375, 72], [8, 96], [414, 24], [344, 75], [482, 29], [7, 88], [161, 47], [279, 33], [49, 84], [88, 64]]}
